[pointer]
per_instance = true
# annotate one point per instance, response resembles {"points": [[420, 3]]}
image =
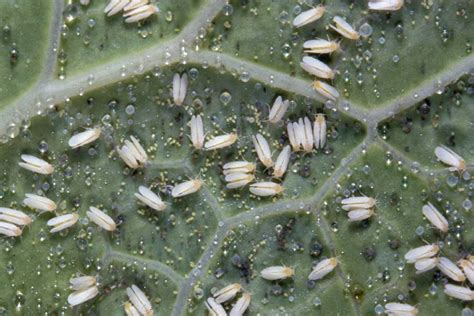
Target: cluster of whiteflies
{"points": [[227, 294], [273, 273], [426, 258], [358, 208], [320, 46], [12, 221], [85, 289], [133, 10], [302, 135]]}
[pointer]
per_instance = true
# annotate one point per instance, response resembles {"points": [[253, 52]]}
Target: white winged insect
{"points": [[101, 219], [82, 282], [39, 202], [9, 229], [460, 292], [468, 267], [221, 141], [435, 217], [320, 46], [344, 28], [326, 90], [451, 270], [214, 308], [309, 16], [150, 198], [317, 68], [227, 293], [323, 268], [304, 134], [132, 153], [266, 188], [84, 138], [426, 264], [277, 273], [186, 188], [15, 217], [290, 128], [282, 162], [115, 6], [141, 13], [238, 180], [360, 215], [139, 300], [358, 202], [399, 309], [263, 150], [319, 131], [62, 222], [35, 164], [238, 167], [241, 305], [197, 131], [385, 5], [418, 253], [278, 110], [180, 85], [79, 297], [450, 158]]}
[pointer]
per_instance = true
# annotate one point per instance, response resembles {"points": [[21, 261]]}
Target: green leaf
{"points": [[79, 69]]}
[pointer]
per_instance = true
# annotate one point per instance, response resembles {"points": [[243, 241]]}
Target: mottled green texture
{"points": [[24, 29], [380, 147]]}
